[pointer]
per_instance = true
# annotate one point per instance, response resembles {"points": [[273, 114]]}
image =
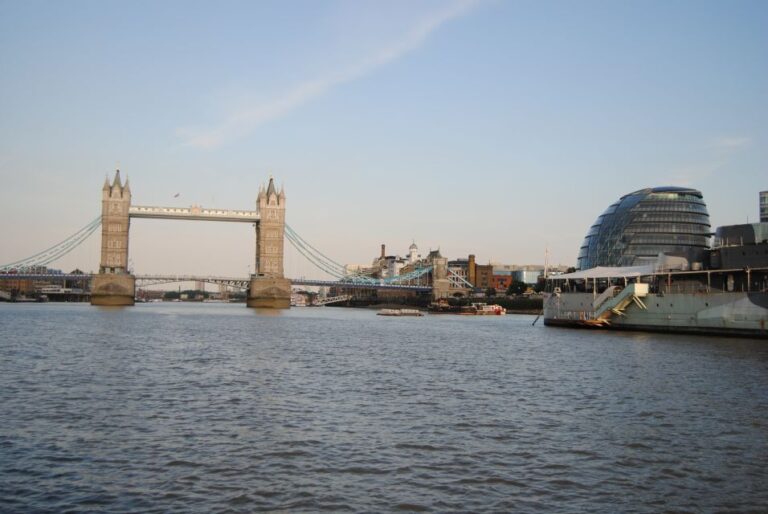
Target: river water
{"points": [[219, 408]]}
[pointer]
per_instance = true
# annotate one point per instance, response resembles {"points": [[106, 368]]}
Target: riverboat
{"points": [[475, 309], [483, 309], [726, 295]]}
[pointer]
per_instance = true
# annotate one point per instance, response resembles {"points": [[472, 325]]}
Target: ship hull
{"points": [[718, 313]]}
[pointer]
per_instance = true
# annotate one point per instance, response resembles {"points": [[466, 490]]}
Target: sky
{"points": [[498, 128]]}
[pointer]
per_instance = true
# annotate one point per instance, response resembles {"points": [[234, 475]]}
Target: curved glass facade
{"points": [[643, 224]]}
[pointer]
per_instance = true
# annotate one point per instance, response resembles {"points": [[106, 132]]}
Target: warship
{"points": [[723, 293]]}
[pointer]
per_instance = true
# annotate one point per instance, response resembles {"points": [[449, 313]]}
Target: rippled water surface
{"points": [[215, 408]]}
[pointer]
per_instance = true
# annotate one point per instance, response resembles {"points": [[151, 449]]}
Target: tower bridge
{"points": [[115, 284]]}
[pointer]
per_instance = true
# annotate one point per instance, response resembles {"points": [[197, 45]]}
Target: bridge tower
{"points": [[268, 286], [114, 285], [440, 282]]}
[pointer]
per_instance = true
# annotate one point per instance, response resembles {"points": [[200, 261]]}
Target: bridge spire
{"points": [[117, 181], [271, 188], [260, 195]]}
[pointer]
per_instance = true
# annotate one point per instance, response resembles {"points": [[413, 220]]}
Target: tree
{"points": [[516, 288]]}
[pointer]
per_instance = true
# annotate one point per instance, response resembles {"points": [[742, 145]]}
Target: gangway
{"points": [[610, 292], [616, 301]]}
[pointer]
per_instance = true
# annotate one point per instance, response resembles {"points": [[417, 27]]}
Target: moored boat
{"points": [[483, 309], [400, 312], [727, 300]]}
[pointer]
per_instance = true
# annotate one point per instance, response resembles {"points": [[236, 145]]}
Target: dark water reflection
{"points": [[215, 408]]}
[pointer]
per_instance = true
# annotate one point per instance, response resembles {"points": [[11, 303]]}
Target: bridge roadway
{"points": [[241, 283], [195, 212], [244, 282], [358, 285], [45, 276]]}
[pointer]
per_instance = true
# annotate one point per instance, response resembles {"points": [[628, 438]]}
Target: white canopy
{"points": [[608, 272]]}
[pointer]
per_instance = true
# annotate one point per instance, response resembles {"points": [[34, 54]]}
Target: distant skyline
{"points": [[488, 127]]}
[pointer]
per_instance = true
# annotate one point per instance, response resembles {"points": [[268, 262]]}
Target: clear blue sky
{"points": [[491, 127]]}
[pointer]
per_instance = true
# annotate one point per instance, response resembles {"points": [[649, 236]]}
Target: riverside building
{"points": [[641, 225]]}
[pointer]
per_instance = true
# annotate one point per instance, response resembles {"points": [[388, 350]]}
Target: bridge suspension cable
{"points": [[338, 271], [322, 261], [56, 251], [314, 255]]}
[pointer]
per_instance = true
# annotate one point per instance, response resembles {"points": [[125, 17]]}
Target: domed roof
{"points": [[645, 223], [413, 246]]}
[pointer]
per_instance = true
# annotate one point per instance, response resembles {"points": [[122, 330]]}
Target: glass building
{"points": [[763, 206], [643, 224]]}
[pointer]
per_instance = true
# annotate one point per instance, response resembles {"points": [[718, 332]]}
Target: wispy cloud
{"points": [[719, 153], [731, 143], [690, 176], [251, 116]]}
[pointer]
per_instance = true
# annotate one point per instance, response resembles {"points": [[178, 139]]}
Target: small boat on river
{"points": [[483, 309], [475, 309], [400, 312]]}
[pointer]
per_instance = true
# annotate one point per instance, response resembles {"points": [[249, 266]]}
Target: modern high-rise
{"points": [[763, 206]]}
